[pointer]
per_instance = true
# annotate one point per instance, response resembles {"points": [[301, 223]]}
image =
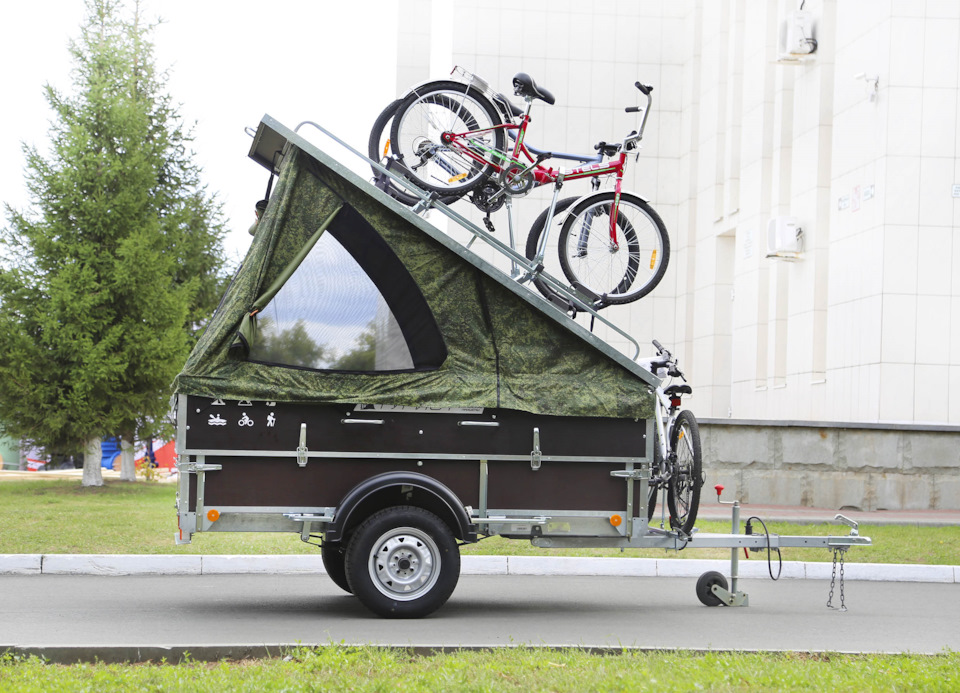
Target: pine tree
{"points": [[106, 279]]}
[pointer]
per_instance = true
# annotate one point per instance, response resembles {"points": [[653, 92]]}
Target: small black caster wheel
{"points": [[704, 585]]}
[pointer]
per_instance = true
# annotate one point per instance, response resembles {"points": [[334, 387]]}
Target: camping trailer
{"points": [[370, 383]]}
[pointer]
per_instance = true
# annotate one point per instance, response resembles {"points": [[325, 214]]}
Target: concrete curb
{"points": [[124, 654], [113, 564]]}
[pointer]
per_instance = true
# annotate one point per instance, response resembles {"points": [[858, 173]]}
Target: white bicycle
{"points": [[677, 468]]}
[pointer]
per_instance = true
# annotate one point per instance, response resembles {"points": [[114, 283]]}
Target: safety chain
{"points": [[833, 579]]}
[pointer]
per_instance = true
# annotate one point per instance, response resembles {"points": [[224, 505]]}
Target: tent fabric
{"points": [[501, 349]]}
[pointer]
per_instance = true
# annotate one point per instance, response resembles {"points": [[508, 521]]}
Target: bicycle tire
{"points": [[533, 242], [653, 487], [588, 258], [683, 493], [420, 121], [380, 151]]}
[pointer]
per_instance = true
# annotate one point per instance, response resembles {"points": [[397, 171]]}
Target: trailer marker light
{"points": [[213, 515], [615, 520]]}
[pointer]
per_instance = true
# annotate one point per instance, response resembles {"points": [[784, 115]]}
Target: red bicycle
{"points": [[450, 138]]}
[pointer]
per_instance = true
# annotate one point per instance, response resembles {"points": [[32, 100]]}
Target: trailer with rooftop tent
{"points": [[378, 388]]}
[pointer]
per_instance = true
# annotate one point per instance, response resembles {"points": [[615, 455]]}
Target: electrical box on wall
{"points": [[797, 38], [784, 238]]}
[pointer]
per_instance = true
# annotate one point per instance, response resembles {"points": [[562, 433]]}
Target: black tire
{"points": [[379, 149], [533, 243], [683, 493], [704, 585], [653, 491], [403, 562], [333, 556], [653, 488], [421, 119], [589, 258]]}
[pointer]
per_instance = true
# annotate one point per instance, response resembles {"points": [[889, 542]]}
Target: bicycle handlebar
{"points": [[666, 362], [631, 140]]}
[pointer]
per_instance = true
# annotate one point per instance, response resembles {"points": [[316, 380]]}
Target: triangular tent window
{"points": [[348, 305]]}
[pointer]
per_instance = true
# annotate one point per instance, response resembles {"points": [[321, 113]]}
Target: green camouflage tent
{"points": [[346, 296]]}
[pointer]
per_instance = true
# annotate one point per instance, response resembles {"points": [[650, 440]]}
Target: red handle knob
{"points": [[719, 489]]}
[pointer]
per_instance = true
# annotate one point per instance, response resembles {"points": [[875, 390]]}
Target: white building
{"points": [[856, 332]]}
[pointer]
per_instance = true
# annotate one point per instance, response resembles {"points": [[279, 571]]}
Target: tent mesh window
{"points": [[329, 315]]}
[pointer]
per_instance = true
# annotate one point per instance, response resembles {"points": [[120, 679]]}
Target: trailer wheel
{"points": [[403, 562], [333, 557], [704, 585]]}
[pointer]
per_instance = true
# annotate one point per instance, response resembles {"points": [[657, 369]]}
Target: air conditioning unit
{"points": [[796, 36], [784, 238]]}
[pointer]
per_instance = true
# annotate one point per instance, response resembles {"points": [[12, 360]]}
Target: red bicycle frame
{"points": [[541, 175]]}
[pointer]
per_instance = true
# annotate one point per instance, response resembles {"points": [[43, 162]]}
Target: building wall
{"points": [[864, 326]]}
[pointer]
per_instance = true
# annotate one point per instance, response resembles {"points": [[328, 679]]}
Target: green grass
{"points": [[63, 517], [522, 669]]}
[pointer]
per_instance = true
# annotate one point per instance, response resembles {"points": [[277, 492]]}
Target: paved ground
{"points": [[222, 607], [131, 617]]}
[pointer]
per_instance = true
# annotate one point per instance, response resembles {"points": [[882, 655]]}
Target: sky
{"points": [[230, 63]]}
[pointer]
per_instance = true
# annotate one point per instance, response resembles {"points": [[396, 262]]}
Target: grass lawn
{"points": [[522, 669], [52, 516]]}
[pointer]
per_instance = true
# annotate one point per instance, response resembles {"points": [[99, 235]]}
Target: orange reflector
{"points": [[653, 259], [386, 148], [458, 178], [615, 520], [213, 515]]}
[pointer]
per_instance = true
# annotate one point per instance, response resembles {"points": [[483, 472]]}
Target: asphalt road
{"points": [[221, 611]]}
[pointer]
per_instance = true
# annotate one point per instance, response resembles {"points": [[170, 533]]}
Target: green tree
{"points": [[363, 356], [290, 347], [106, 279]]}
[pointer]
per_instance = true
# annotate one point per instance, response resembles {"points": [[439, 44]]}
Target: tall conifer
{"points": [[105, 278]]}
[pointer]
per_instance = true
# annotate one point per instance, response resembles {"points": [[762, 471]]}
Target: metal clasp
{"points": [[852, 524], [197, 468], [302, 449], [535, 454]]}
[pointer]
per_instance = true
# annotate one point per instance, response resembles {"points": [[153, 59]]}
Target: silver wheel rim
{"points": [[403, 563]]}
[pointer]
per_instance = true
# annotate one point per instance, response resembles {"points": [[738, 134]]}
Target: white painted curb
{"points": [[108, 564], [272, 565], [115, 564], [483, 565], [20, 564]]}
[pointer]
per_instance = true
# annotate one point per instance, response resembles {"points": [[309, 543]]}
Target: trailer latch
{"points": [[635, 474], [302, 449], [196, 468], [535, 453]]}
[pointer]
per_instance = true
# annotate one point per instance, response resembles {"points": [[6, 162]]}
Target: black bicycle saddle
{"points": [[523, 85]]}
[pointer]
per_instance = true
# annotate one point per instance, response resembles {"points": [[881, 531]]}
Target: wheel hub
{"points": [[403, 564]]}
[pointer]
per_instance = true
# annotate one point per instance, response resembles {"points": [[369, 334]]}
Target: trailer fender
{"points": [[370, 495]]}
